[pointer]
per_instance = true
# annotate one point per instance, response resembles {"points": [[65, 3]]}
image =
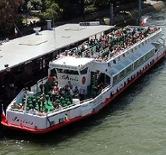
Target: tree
{"points": [[50, 9], [102, 3], [72, 8], [8, 15], [34, 4]]}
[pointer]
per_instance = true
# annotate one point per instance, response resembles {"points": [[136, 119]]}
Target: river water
{"points": [[134, 124]]}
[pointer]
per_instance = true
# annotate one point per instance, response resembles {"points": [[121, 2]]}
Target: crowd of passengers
{"points": [[51, 87], [114, 43], [52, 94], [60, 96]]}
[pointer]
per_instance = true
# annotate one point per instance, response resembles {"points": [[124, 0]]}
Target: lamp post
{"points": [[139, 10], [111, 14]]}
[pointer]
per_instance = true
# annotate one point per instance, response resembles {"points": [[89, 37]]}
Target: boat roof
{"points": [[23, 49], [70, 62]]}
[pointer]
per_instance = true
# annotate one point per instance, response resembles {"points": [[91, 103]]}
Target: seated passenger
{"points": [[82, 94], [61, 91], [70, 85], [32, 111], [55, 89]]}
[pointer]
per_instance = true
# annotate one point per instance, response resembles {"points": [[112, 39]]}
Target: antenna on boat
{"points": [[111, 14], [26, 101], [0, 112], [3, 112]]}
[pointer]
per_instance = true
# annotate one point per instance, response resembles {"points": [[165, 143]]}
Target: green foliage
{"points": [[34, 4], [103, 3], [50, 10]]}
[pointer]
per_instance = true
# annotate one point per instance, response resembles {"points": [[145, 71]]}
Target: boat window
{"points": [[150, 54], [109, 64], [59, 70], [66, 71], [129, 69], [139, 62], [122, 74], [115, 79], [84, 71], [114, 61]]}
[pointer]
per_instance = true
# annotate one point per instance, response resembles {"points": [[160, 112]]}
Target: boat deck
{"points": [[52, 98], [42, 104], [112, 44]]}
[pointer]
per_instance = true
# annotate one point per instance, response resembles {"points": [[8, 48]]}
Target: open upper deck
{"points": [[23, 49], [113, 44]]}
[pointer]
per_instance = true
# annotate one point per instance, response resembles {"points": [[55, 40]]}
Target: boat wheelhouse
{"points": [[86, 78]]}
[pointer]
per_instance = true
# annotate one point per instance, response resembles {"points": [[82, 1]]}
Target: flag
{"points": [[15, 31], [143, 21], [3, 116]]}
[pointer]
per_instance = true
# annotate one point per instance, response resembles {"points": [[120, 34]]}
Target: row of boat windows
{"points": [[132, 50], [124, 73], [72, 72], [66, 71]]}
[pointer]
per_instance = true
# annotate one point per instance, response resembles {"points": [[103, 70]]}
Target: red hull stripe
{"points": [[67, 122]]}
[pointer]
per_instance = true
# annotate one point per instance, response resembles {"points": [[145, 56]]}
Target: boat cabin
{"points": [[72, 71]]}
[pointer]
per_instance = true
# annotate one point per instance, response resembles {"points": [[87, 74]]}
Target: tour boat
{"points": [[86, 78]]}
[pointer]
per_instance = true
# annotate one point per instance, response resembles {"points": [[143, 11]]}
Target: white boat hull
{"points": [[44, 124]]}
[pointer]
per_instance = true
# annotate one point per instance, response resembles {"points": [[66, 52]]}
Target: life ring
{"points": [[83, 80]]}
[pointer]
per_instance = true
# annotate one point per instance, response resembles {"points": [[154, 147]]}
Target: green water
{"points": [[135, 124]]}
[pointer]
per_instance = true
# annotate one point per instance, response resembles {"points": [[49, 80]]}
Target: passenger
{"points": [[41, 87], [56, 105], [39, 103], [32, 111], [71, 92], [82, 94], [61, 91], [70, 85], [55, 89], [76, 92], [42, 100], [34, 103]]}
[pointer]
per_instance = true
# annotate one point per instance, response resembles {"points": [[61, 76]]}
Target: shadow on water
{"points": [[87, 124]]}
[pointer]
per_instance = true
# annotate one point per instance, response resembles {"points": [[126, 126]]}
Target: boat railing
{"points": [[35, 88], [19, 97], [100, 48], [86, 100], [134, 45], [17, 103]]}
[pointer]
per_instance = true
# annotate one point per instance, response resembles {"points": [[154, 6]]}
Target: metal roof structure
{"points": [[23, 49]]}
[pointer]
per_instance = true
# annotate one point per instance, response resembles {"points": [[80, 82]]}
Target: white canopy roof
{"points": [[20, 50], [71, 62]]}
